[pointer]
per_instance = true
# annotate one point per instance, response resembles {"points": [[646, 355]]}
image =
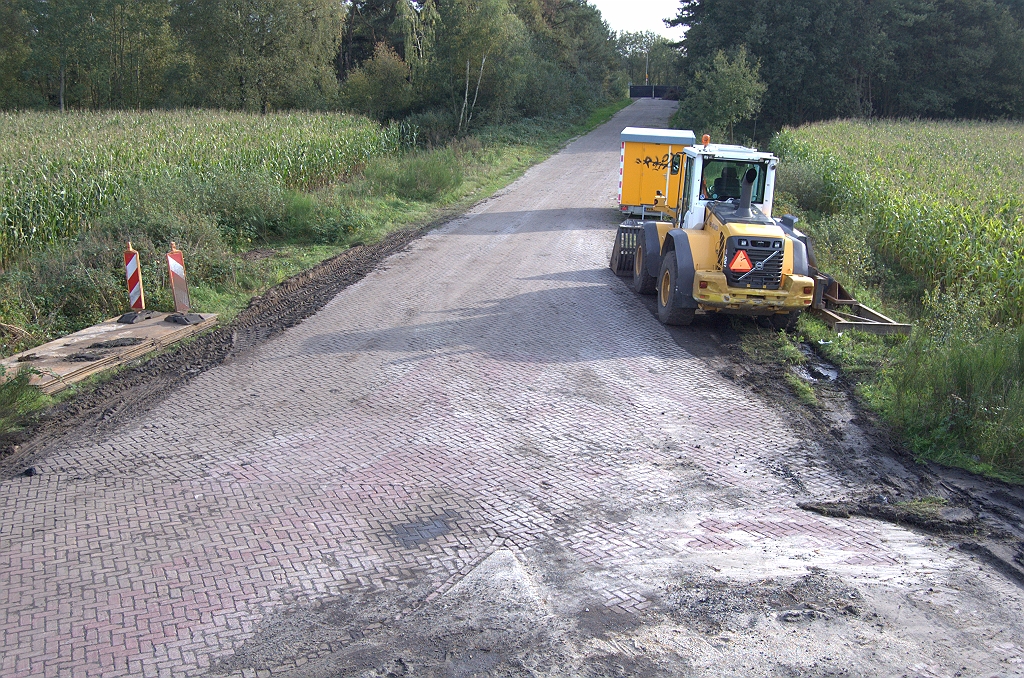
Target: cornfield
{"points": [[59, 171], [944, 199]]}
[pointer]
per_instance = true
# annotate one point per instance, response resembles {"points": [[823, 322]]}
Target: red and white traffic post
{"points": [[179, 287], [136, 295], [176, 269], [133, 273]]}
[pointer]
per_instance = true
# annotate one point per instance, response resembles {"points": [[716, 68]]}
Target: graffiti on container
{"points": [[654, 163]]}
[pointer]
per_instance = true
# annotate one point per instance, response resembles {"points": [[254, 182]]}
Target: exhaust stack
{"points": [[747, 190]]}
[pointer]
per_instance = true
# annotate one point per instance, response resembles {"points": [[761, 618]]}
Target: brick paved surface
{"points": [[493, 388]]}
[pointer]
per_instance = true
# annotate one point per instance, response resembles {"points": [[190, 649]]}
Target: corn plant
{"points": [[57, 172], [944, 199]]}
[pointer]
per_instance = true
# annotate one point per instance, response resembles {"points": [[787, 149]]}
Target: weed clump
{"points": [[961, 401], [424, 175], [18, 400]]}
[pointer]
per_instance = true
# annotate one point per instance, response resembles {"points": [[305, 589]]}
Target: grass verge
{"points": [[18, 400]]}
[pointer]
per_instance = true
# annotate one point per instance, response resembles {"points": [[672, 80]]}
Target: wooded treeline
{"points": [[459, 60], [822, 59], [649, 58]]}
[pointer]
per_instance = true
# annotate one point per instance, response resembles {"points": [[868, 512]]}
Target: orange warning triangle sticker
{"points": [[740, 262]]}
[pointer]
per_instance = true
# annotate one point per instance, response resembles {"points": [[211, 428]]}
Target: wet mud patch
{"points": [[420, 532], [713, 606], [846, 440], [502, 619], [592, 619], [935, 516], [302, 632], [491, 622], [995, 544], [118, 343]]}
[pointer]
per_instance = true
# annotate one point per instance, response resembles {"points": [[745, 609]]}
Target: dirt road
{"points": [[485, 458]]}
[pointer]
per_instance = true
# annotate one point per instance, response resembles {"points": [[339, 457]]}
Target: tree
{"points": [[135, 48], [456, 62], [14, 56], [99, 54], [418, 22], [728, 91], [571, 61], [475, 62], [810, 50], [263, 54], [824, 59], [64, 36], [369, 23], [381, 87], [648, 58]]}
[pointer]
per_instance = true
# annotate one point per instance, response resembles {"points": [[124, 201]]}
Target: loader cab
{"points": [[712, 172]]}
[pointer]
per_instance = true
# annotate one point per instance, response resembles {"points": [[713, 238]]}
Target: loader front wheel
{"points": [[668, 312], [643, 282]]}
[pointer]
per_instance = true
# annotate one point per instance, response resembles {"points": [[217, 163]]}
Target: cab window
{"points": [[721, 179]]}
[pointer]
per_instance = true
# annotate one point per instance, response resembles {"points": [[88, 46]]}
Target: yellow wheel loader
{"points": [[718, 249]]}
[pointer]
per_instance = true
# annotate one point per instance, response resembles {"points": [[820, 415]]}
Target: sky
{"points": [[640, 15]]}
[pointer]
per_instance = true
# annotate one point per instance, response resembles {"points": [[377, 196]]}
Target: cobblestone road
{"points": [[492, 405]]}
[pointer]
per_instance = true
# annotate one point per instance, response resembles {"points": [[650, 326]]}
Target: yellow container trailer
{"points": [[650, 167]]}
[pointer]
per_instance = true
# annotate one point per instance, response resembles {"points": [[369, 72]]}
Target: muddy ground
{"points": [[526, 611], [980, 515]]}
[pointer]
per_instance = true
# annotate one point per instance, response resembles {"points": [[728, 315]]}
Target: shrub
{"points": [[381, 87], [724, 93], [435, 128]]}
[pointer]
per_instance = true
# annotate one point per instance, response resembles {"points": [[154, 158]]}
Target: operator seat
{"points": [[727, 185]]}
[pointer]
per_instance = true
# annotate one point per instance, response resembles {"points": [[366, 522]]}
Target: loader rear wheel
{"points": [[784, 321], [643, 282], [668, 312]]}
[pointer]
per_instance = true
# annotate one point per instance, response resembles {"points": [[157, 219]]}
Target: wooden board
{"points": [[95, 349]]}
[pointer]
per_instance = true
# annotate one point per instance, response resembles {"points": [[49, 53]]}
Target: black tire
{"points": [[668, 312], [784, 321], [643, 282]]}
